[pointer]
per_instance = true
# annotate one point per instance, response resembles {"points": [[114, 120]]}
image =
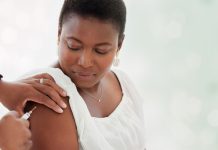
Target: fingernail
{"points": [[63, 105], [60, 110]]}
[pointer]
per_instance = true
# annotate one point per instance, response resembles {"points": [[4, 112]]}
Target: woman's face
{"points": [[87, 47]]}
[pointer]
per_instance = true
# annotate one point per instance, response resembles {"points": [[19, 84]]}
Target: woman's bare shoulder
{"points": [[53, 131]]}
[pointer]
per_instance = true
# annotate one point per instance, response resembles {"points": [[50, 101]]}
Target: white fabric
{"points": [[122, 130]]}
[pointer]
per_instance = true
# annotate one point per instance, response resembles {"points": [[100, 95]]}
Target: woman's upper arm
{"points": [[53, 131]]}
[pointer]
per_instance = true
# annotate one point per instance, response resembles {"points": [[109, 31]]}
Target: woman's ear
{"points": [[120, 42]]}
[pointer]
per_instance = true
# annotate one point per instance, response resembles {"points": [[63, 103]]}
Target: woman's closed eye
{"points": [[74, 48], [101, 51]]}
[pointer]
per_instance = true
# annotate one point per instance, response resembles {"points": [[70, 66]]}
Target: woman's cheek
{"points": [[106, 63]]}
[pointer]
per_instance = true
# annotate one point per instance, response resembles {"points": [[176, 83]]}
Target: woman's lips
{"points": [[84, 75]]}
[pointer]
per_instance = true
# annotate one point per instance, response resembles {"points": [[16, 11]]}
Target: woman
{"points": [[105, 110]]}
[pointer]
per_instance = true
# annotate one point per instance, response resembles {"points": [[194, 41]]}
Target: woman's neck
{"points": [[94, 89]]}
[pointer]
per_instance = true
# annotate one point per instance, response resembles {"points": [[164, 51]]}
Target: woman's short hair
{"points": [[105, 10]]}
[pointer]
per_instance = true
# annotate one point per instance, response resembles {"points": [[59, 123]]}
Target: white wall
{"points": [[170, 51]]}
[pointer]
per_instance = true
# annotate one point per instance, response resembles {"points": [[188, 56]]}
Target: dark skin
{"points": [[90, 69], [51, 131]]}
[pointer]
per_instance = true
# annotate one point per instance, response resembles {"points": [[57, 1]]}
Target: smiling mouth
{"points": [[84, 75]]}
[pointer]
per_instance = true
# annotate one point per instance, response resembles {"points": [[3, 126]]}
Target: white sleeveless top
{"points": [[123, 129]]}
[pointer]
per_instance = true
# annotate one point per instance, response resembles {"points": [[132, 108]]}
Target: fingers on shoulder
{"points": [[44, 76]]}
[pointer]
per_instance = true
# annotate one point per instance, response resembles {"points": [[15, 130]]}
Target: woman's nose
{"points": [[85, 59]]}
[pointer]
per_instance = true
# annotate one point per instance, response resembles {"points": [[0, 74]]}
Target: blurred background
{"points": [[170, 52]]}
